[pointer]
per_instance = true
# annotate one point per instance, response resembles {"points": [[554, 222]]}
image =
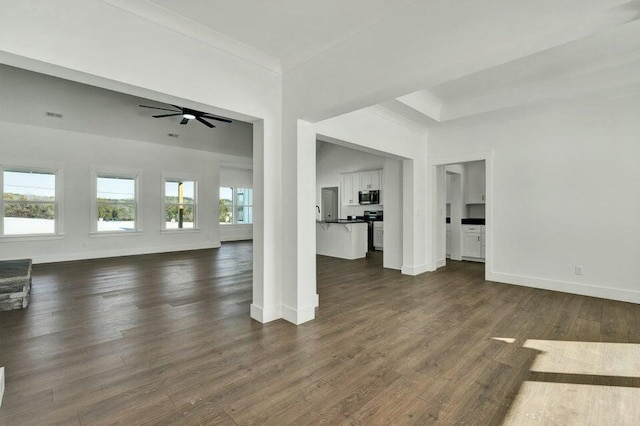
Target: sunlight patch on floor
{"points": [[544, 403], [559, 389], [595, 358]]}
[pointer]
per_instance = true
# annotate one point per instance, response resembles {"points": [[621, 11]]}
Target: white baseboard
{"points": [[566, 287], [65, 257], [263, 315], [298, 316], [1, 384], [415, 270], [230, 239], [441, 262]]}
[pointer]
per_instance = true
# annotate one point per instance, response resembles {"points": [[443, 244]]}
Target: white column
{"points": [[415, 244], [267, 226], [299, 295]]}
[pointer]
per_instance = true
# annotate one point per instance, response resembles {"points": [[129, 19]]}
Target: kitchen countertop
{"points": [[473, 221]]}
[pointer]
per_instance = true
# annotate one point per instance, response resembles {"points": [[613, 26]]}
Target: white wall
{"points": [[236, 177], [76, 154], [564, 192], [331, 160]]}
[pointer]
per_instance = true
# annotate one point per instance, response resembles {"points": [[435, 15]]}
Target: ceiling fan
{"points": [[188, 114]]}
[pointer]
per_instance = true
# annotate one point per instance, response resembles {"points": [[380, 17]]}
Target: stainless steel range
{"points": [[371, 216]]}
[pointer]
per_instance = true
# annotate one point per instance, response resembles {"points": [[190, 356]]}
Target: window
{"points": [[179, 204], [236, 205], [116, 203], [29, 204]]}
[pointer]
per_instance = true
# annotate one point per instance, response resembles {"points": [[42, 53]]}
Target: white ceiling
{"points": [[290, 30], [98, 111], [430, 61]]}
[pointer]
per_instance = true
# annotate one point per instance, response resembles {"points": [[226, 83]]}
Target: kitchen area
{"points": [[465, 211], [350, 197]]}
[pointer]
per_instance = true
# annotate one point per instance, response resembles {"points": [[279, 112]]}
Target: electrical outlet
{"points": [[578, 270]]}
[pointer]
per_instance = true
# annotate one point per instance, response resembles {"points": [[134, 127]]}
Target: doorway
{"points": [[329, 204], [464, 196]]}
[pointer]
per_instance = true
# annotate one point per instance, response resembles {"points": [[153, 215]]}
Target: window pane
{"points": [[116, 189], [173, 216], [29, 186], [245, 197], [29, 218], [172, 192], [245, 214], [226, 205]]}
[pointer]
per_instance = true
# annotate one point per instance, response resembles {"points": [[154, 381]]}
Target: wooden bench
{"points": [[15, 284]]}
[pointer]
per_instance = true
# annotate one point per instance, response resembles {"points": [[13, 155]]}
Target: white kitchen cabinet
{"points": [[350, 187], [370, 180], [378, 235], [473, 242], [475, 182], [352, 183]]}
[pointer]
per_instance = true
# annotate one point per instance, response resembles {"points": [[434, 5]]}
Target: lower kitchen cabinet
{"points": [[378, 235], [473, 242]]}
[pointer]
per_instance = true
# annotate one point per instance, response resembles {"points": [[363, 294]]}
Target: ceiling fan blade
{"points": [[152, 107], [166, 115], [206, 123], [185, 121], [216, 118]]}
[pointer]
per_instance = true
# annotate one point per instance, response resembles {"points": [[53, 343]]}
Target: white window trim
{"points": [[178, 176], [234, 206], [114, 172], [58, 226]]}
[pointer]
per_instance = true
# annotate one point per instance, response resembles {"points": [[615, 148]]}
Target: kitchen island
{"points": [[345, 239]]}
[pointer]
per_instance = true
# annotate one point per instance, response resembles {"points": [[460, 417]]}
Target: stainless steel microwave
{"points": [[369, 197]]}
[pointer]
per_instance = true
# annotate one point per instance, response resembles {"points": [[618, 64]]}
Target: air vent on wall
{"points": [[54, 114]]}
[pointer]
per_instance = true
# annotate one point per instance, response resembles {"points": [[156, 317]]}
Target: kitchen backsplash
{"points": [[359, 210], [475, 210]]}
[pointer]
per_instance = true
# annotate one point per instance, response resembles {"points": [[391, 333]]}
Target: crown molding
{"points": [[168, 19]]}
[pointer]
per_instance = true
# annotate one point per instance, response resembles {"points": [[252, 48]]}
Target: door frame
{"points": [[436, 208]]}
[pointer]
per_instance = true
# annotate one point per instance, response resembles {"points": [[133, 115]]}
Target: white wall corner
{"points": [[298, 316], [441, 262], [265, 315], [610, 293]]}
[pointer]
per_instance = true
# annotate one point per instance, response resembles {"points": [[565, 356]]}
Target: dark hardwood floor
{"points": [[167, 339]]}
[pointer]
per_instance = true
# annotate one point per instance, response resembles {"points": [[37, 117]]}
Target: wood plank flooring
{"points": [[167, 339]]}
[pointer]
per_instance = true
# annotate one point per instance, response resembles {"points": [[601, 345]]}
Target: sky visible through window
{"points": [[226, 193], [116, 188], [30, 184]]}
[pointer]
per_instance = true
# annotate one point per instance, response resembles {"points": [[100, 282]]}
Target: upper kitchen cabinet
{"points": [[475, 182], [370, 180], [350, 188], [352, 183]]}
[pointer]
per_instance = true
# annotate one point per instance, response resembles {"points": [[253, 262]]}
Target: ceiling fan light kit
{"points": [[188, 114]]}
